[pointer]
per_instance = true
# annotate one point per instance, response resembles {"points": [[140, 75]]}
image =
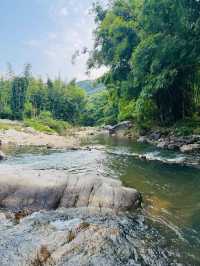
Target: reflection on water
{"points": [[171, 192]]}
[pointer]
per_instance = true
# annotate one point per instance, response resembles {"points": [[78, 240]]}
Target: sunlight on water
{"points": [[170, 192]]}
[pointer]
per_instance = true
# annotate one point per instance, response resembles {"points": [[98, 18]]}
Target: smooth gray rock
{"points": [[120, 126], [50, 189]]}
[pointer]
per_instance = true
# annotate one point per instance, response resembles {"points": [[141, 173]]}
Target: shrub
{"points": [[38, 125], [45, 123], [126, 110]]}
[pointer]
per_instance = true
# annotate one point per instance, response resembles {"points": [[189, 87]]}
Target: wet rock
{"points": [[80, 237], [185, 144], [2, 217], [162, 145], [190, 148], [142, 139], [120, 126], [155, 136], [21, 214], [172, 146], [50, 189], [99, 193], [2, 156], [49, 146]]}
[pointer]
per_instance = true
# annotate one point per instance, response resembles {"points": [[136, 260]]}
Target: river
{"points": [[171, 192]]}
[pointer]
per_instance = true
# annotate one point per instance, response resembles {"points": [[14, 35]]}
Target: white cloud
{"points": [[72, 28]]}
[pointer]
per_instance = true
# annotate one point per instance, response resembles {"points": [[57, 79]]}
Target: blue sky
{"points": [[46, 33]]}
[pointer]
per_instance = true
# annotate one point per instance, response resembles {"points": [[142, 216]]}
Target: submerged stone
{"points": [[80, 237], [50, 189]]}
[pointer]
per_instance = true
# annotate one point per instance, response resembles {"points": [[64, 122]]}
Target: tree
{"points": [[18, 97], [152, 49], [27, 71]]}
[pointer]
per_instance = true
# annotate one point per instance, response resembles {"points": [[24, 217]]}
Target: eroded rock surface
{"points": [[51, 189], [120, 126], [29, 137], [80, 237], [185, 144]]}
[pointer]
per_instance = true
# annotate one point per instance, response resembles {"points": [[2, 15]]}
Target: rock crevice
{"points": [[51, 189]]}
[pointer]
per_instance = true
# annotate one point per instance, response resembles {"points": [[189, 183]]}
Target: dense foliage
{"points": [[26, 97], [152, 50]]}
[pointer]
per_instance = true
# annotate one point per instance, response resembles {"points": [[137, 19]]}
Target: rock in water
{"points": [[120, 126], [2, 156], [50, 189], [99, 193], [80, 237], [142, 140], [190, 148]]}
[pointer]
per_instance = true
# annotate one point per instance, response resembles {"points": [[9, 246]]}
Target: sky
{"points": [[46, 33]]}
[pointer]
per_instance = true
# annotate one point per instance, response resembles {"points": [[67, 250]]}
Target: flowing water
{"points": [[171, 192]]}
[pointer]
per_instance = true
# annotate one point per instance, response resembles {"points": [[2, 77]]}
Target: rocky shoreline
{"points": [[35, 235], [51, 218], [162, 139], [36, 190], [188, 147], [185, 144], [81, 237], [31, 137]]}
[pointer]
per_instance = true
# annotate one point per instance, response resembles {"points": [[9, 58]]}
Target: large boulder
{"points": [[142, 139], [118, 127], [51, 189], [80, 237], [99, 193], [190, 148], [162, 145]]}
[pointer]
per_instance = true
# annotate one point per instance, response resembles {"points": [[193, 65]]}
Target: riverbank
{"points": [[22, 188], [169, 139], [80, 237], [17, 134], [52, 217], [186, 144], [34, 190], [161, 233]]}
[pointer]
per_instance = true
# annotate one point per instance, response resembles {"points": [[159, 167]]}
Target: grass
{"points": [[7, 126], [45, 123], [48, 125], [38, 126]]}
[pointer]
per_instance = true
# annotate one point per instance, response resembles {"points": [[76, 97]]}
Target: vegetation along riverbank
{"points": [[102, 169]]}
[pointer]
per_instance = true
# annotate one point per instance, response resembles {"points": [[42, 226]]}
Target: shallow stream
{"points": [[171, 192]]}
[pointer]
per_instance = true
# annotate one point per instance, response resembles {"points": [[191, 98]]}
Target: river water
{"points": [[171, 192]]}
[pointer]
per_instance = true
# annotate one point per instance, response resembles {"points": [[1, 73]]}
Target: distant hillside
{"points": [[90, 87]]}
